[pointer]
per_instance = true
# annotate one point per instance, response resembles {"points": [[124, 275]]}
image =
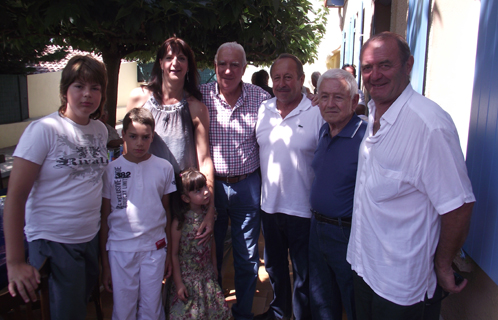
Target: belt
{"points": [[335, 221], [232, 179]]}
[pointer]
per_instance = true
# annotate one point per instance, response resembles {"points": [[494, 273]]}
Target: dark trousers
{"points": [[287, 235], [371, 306], [74, 270], [331, 277]]}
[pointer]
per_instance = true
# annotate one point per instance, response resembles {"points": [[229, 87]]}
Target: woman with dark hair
{"points": [[182, 121]]}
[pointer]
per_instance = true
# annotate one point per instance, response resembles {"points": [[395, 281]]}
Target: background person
{"points": [[113, 138], [361, 109], [314, 81], [182, 121], [260, 78], [55, 186]]}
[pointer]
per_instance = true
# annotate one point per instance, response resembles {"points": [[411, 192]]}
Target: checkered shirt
{"points": [[232, 135]]}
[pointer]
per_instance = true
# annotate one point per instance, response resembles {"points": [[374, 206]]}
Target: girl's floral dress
{"points": [[205, 298]]}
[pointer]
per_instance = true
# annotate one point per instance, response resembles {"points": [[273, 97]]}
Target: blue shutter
{"points": [[416, 36], [482, 150]]}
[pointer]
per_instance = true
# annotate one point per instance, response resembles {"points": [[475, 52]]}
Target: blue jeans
{"points": [[239, 202], [331, 277], [284, 235]]}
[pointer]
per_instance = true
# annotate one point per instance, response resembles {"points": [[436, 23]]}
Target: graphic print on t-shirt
{"points": [[121, 187], [85, 158]]}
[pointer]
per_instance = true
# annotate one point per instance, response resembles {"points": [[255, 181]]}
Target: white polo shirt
{"points": [[409, 173], [286, 149]]}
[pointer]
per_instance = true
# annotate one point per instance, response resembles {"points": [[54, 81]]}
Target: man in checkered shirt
{"points": [[233, 112]]}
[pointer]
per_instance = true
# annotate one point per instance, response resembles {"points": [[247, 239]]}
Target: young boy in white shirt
{"points": [[135, 239]]}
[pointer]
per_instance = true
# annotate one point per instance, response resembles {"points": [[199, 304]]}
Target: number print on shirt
{"points": [[121, 187]]}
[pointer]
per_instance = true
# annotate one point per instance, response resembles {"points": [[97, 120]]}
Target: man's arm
{"points": [[454, 229]]}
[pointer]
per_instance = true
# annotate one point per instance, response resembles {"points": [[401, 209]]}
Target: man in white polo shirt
{"points": [[287, 134], [413, 198]]}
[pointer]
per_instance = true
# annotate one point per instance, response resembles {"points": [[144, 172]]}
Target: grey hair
{"points": [[232, 45], [340, 75]]}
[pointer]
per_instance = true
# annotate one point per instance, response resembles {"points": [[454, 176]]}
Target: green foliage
{"points": [[21, 43], [134, 29]]}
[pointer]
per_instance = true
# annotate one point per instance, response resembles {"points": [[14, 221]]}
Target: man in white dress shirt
{"points": [[413, 198]]}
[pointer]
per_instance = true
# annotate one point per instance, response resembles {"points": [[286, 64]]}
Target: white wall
{"points": [[127, 82], [43, 99], [451, 59], [43, 94]]}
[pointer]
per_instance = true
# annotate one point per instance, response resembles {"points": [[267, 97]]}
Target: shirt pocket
{"points": [[385, 184]]}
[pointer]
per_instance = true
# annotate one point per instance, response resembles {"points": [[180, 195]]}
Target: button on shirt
{"points": [[232, 139], [334, 164], [410, 172]]}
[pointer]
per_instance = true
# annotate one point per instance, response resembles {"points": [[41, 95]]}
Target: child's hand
{"points": [[182, 293], [25, 279], [168, 269], [107, 279]]}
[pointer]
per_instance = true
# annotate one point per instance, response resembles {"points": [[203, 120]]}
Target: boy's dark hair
{"points": [[189, 180], [84, 68], [176, 45], [140, 115]]}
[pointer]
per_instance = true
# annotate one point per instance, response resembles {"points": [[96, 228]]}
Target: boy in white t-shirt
{"points": [[135, 218]]}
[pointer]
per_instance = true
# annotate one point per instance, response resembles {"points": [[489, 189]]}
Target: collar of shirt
{"points": [[303, 105], [240, 100], [349, 131], [390, 116]]}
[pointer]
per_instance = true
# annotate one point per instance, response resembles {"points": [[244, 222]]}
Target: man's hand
{"points": [[205, 231], [25, 279], [454, 229], [314, 99], [446, 280]]}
